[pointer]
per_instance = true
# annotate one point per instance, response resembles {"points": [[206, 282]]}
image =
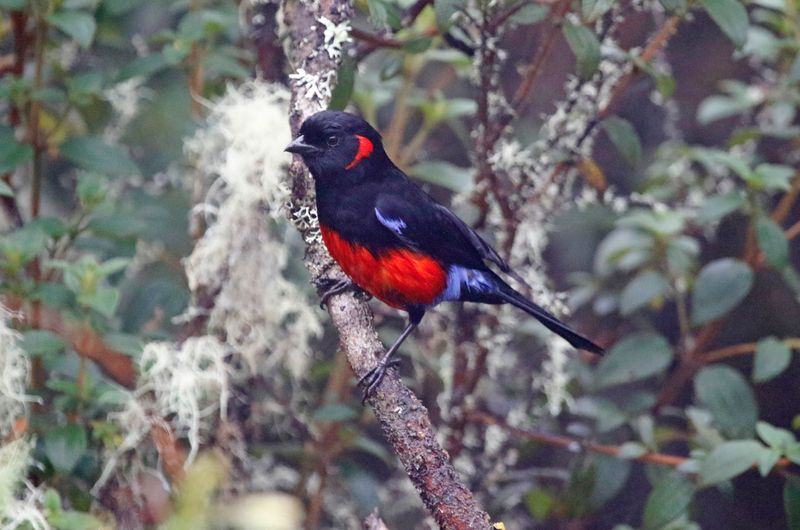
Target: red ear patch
{"points": [[365, 148]]}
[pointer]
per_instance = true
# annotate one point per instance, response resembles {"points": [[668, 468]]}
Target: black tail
{"points": [[511, 296]]}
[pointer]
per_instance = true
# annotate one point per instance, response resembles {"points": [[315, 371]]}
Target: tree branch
{"points": [[402, 417], [572, 444], [83, 339]]}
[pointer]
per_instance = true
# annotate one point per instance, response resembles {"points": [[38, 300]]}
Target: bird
{"points": [[393, 240]]}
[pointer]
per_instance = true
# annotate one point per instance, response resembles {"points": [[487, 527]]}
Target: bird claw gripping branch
{"points": [[332, 287]]}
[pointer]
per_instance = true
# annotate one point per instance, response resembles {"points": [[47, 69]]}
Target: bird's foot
{"points": [[373, 378], [332, 286]]}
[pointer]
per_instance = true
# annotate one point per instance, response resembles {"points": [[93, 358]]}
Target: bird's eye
{"points": [[333, 140]]}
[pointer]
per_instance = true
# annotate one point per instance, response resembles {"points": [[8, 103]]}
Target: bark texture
{"points": [[402, 416]]}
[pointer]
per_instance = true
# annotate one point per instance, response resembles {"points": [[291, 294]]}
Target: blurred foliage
{"points": [[689, 272]]}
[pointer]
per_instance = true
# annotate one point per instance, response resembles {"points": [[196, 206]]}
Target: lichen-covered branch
{"points": [[402, 416]]}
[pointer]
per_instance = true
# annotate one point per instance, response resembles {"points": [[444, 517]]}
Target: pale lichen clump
{"points": [[14, 374], [316, 87], [19, 509], [241, 146], [554, 378], [191, 384], [182, 389], [125, 99], [135, 420], [243, 257], [336, 36]]}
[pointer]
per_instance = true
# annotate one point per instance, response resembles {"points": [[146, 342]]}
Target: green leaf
{"points": [[51, 226], [530, 14], [719, 206], [666, 223], [539, 501], [585, 46], [631, 450], [728, 460], [775, 437], [445, 9], [713, 158], [64, 446], [444, 174], [674, 5], [111, 266], [78, 25], [771, 359], [720, 287], [726, 394], [669, 500], [130, 345], [772, 177], [624, 138], [636, 357], [21, 246], [102, 300], [42, 342], [12, 153], [91, 190], [85, 89], [142, 67], [383, 13], [345, 81], [458, 107], [717, 107], [645, 287], [80, 4], [731, 17], [73, 520], [791, 502], [51, 501], [334, 412], [624, 249], [767, 458], [591, 10], [417, 44], [93, 154], [55, 295], [611, 475], [221, 64], [5, 189], [13, 4]]}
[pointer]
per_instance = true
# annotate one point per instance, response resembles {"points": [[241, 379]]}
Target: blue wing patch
{"points": [[395, 225], [461, 281]]}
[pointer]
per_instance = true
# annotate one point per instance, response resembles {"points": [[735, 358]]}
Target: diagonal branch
{"points": [[402, 416]]}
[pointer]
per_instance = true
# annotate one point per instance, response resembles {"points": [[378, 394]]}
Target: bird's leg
{"points": [[332, 286], [373, 378]]}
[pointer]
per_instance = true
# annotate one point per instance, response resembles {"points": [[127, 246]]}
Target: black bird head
{"points": [[335, 144]]}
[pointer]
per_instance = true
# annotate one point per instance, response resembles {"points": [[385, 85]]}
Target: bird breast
{"points": [[399, 277]]}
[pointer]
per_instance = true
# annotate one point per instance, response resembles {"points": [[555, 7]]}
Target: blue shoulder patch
{"points": [[395, 225]]}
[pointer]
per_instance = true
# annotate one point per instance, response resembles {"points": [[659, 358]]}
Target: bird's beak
{"points": [[299, 146]]}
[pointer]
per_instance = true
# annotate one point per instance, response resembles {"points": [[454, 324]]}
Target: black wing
{"points": [[422, 224]]}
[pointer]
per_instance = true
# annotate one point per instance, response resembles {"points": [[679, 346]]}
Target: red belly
{"points": [[398, 277]]}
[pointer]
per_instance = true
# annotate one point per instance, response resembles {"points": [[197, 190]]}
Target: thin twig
{"points": [[575, 445], [742, 349], [793, 231], [784, 206], [34, 125], [378, 41], [542, 53]]}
